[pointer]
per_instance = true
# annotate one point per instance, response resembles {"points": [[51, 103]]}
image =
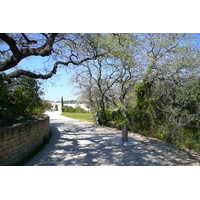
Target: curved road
{"points": [[75, 142]]}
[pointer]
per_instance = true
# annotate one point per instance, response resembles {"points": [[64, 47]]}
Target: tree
{"points": [[147, 77], [166, 56], [128, 70], [108, 80], [167, 98], [62, 103], [64, 49], [176, 109], [47, 105], [20, 98], [95, 80]]}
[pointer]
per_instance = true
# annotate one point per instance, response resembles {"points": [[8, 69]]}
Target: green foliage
{"points": [[19, 99], [157, 89], [70, 109], [47, 105], [111, 118], [142, 112], [160, 136], [191, 140], [171, 113], [104, 116], [141, 120], [118, 118], [80, 110]]}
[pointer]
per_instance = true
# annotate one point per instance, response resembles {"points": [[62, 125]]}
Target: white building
{"points": [[56, 106]]}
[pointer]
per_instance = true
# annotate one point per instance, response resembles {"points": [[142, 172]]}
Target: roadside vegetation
{"points": [[150, 82], [20, 99]]}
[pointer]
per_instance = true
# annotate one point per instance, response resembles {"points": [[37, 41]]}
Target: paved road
{"points": [[75, 142]]}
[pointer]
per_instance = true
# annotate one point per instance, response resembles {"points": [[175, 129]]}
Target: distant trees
{"points": [[47, 105]]}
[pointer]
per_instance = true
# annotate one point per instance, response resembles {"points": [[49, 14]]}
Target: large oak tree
{"points": [[65, 49]]}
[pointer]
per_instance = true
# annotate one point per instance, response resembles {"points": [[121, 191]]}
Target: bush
{"points": [[103, 117], [141, 120], [111, 118], [118, 118], [80, 110], [19, 99], [71, 109]]}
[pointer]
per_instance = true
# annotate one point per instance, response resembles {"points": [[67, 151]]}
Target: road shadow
{"points": [[173, 153], [89, 145], [47, 150]]}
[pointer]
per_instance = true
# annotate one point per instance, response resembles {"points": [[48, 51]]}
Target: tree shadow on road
{"points": [[90, 145], [173, 153]]}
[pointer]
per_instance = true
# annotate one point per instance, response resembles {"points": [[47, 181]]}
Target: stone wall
{"points": [[21, 140]]}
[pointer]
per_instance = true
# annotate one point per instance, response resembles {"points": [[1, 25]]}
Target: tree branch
{"points": [[18, 55], [29, 41], [11, 43], [18, 73]]}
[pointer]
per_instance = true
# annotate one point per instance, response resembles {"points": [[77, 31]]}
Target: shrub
{"points": [[118, 118], [69, 109], [103, 117], [19, 99], [80, 110]]}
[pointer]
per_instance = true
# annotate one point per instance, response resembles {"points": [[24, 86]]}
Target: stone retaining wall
{"points": [[21, 140]]}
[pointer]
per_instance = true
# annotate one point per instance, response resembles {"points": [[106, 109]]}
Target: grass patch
{"points": [[82, 116]]}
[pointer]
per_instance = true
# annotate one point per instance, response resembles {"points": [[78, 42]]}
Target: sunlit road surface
{"points": [[78, 143]]}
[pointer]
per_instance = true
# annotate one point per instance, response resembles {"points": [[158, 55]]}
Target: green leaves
{"points": [[19, 98]]}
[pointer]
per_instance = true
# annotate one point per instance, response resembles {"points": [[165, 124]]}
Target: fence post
{"points": [[124, 133]]}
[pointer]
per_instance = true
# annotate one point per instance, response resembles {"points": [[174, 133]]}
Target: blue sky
{"points": [[55, 87]]}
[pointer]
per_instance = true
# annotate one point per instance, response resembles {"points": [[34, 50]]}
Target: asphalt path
{"points": [[79, 143]]}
